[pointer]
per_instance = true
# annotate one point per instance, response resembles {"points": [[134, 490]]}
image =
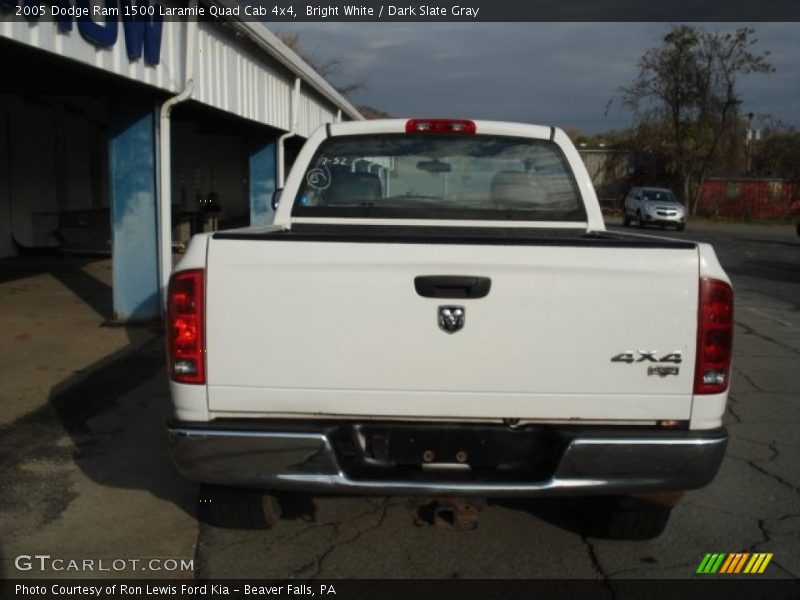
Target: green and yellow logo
{"points": [[734, 563]]}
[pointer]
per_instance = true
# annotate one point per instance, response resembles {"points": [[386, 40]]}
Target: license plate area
{"points": [[474, 452]]}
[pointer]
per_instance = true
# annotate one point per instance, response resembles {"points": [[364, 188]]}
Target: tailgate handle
{"points": [[452, 286]]}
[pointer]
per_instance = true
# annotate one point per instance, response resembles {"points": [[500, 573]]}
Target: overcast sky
{"points": [[548, 73]]}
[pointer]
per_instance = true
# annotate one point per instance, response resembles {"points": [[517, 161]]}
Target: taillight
{"points": [[440, 126], [185, 327], [714, 337]]}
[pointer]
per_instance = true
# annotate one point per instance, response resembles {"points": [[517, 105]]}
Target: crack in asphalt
{"points": [[770, 445], [596, 566], [777, 478], [763, 471], [315, 526], [775, 452], [315, 565], [753, 331], [316, 562], [746, 377], [776, 563], [786, 517], [762, 527], [202, 546], [731, 410]]}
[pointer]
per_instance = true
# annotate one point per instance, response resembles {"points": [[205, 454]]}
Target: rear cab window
{"points": [[439, 176]]}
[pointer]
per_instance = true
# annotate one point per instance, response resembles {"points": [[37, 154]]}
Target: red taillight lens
{"points": [[714, 337], [440, 126], [185, 323]]}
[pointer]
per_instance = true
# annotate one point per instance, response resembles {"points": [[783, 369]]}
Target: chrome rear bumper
{"points": [[621, 462]]}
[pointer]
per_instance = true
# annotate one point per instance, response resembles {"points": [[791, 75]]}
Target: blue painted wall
{"points": [[134, 211], [262, 182]]}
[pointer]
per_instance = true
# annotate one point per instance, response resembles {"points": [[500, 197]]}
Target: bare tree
{"points": [[328, 68], [777, 153], [686, 87]]}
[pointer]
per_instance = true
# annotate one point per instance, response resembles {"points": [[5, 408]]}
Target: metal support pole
{"points": [[165, 160], [294, 116]]}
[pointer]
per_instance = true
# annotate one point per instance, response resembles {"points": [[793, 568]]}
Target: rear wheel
{"points": [[626, 220], [233, 508], [638, 221], [626, 518]]}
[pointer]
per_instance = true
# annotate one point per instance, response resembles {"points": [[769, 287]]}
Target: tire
{"points": [[232, 508], [681, 227], [638, 221], [626, 518], [625, 219]]}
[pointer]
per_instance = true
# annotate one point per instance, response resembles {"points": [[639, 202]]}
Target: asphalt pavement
{"points": [[753, 505], [84, 470]]}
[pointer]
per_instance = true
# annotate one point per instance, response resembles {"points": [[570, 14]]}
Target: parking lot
{"points": [[84, 469]]}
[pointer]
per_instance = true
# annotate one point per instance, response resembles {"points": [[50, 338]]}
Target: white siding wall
{"points": [[229, 75], [235, 80], [46, 36]]}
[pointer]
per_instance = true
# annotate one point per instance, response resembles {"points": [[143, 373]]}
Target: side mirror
{"points": [[276, 198]]}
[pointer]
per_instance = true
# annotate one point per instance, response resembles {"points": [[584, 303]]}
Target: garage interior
{"points": [[60, 129], [55, 132]]}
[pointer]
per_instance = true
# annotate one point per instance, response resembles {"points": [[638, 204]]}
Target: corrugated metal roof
{"points": [[251, 79], [267, 40]]}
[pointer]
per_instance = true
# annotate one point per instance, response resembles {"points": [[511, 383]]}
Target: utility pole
{"points": [[750, 137]]}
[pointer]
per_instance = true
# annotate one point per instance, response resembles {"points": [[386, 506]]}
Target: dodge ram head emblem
{"points": [[451, 318]]}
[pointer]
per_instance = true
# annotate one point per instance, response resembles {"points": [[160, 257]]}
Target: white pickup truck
{"points": [[438, 310]]}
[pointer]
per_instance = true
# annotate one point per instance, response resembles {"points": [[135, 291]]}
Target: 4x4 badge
{"points": [[451, 318], [628, 357]]}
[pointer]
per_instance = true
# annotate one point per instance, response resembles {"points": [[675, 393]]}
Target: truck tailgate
{"points": [[338, 328]]}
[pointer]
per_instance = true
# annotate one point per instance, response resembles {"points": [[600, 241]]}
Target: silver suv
{"points": [[654, 206]]}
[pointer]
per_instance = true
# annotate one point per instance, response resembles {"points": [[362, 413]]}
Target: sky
{"points": [[560, 74]]}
